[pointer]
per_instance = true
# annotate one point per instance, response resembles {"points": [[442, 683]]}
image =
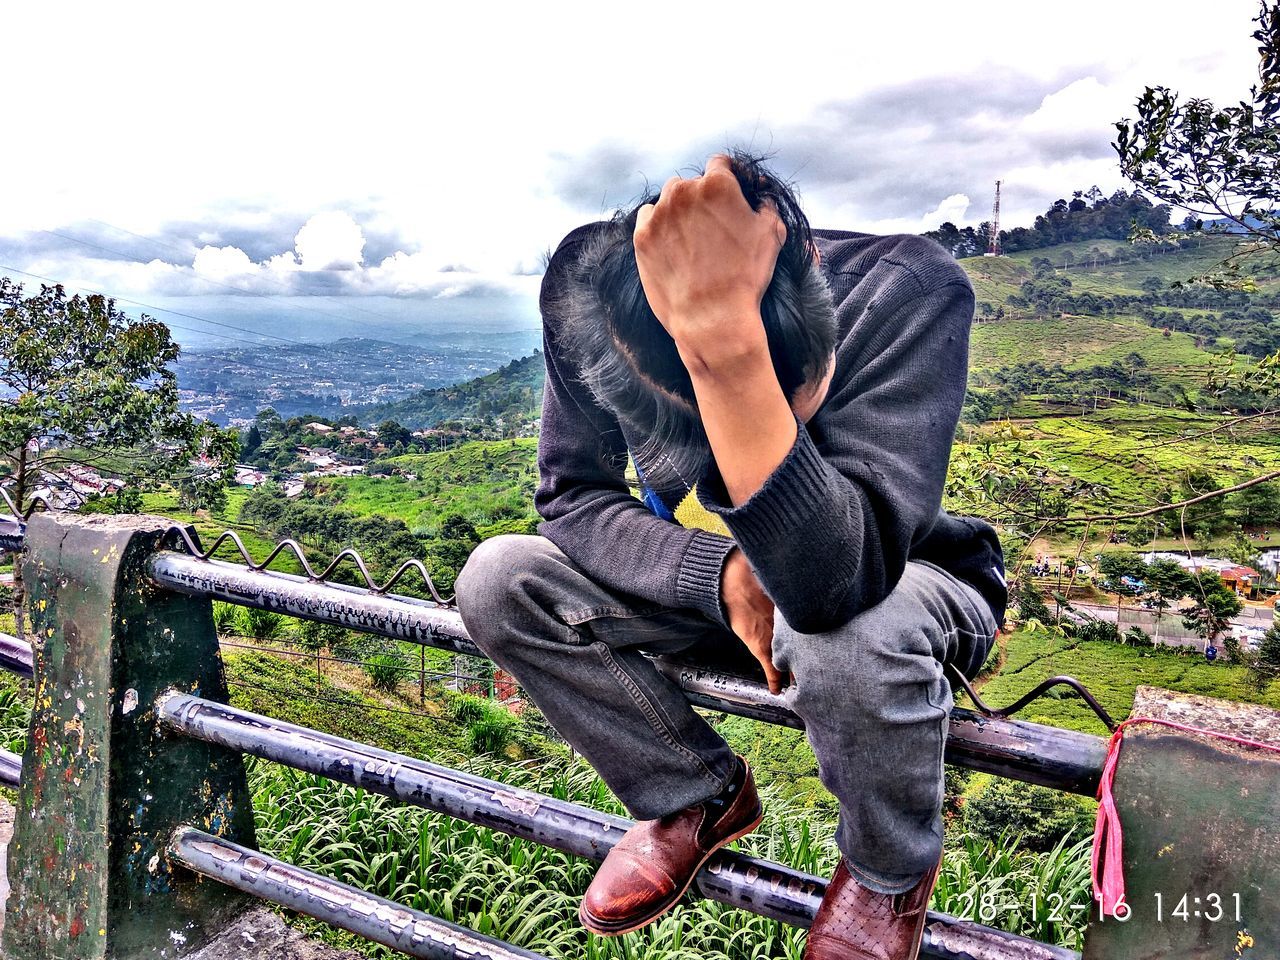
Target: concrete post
{"points": [[1201, 819], [103, 786]]}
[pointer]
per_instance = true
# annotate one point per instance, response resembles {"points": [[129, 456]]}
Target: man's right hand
{"points": [[750, 613]]}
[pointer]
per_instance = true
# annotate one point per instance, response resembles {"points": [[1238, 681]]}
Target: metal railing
{"points": [[150, 661]]}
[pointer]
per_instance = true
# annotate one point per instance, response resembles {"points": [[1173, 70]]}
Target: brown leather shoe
{"points": [[854, 923], [653, 864]]}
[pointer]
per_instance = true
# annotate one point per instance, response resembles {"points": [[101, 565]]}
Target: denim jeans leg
{"points": [[875, 702], [574, 645]]}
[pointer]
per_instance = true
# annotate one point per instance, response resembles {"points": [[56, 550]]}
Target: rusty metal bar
{"points": [[10, 769], [12, 534], [16, 656], [410, 931], [1030, 752], [769, 889]]}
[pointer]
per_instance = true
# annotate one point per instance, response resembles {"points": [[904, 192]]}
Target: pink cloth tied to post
{"points": [[1107, 871]]}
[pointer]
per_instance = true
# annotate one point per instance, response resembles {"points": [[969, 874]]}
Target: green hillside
{"points": [[512, 392]]}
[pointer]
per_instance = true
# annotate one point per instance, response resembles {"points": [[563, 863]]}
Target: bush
{"points": [[492, 733], [468, 709], [1037, 816], [226, 617], [261, 624], [385, 669], [1137, 637], [1098, 630], [314, 637]]}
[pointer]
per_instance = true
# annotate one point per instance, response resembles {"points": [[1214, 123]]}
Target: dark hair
{"points": [[630, 363]]}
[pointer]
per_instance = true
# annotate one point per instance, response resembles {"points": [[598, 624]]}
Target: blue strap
{"points": [[651, 499]]}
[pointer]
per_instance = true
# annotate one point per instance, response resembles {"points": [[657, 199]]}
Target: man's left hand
{"points": [[705, 259]]}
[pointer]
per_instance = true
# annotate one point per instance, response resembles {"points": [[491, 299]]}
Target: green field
{"points": [[481, 480], [1081, 342]]}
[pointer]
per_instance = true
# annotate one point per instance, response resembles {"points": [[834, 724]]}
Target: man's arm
{"points": [[582, 495], [829, 530]]}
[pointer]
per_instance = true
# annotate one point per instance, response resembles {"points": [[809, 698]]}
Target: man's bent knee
{"points": [[492, 576], [872, 665]]}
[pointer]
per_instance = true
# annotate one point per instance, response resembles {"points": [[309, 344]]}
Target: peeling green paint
{"points": [[103, 788]]}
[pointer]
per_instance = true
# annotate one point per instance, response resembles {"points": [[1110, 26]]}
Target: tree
{"points": [[1258, 504], [1213, 606], [93, 388], [1266, 667], [1031, 605], [391, 433], [1165, 582], [458, 527], [252, 441], [1212, 162]]}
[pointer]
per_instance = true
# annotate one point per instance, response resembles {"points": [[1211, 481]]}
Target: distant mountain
{"points": [[512, 392], [1223, 225]]}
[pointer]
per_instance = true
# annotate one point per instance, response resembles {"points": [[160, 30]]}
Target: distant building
{"points": [[1236, 576], [321, 428], [250, 476]]}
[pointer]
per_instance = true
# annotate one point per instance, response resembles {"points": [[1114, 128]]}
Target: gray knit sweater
{"points": [[830, 531]]}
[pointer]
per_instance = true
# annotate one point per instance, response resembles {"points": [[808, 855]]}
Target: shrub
{"points": [[1137, 637], [261, 624], [226, 617], [492, 733], [1098, 630], [468, 709], [385, 669], [314, 637], [1037, 816]]}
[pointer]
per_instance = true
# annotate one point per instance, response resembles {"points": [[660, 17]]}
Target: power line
{"points": [[147, 306], [177, 326], [176, 313]]}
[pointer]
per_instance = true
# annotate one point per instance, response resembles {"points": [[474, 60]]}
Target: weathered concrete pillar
{"points": [[103, 787], [1201, 828]]}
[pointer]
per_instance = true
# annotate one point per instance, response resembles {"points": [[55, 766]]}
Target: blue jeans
{"points": [[872, 694]]}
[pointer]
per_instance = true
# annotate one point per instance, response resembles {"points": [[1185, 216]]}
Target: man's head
{"points": [[630, 363]]}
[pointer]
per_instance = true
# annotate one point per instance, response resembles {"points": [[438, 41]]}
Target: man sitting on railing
{"points": [[802, 389]]}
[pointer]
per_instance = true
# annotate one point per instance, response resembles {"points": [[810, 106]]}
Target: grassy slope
{"points": [[1112, 672], [471, 479], [1080, 342], [165, 503], [1126, 449]]}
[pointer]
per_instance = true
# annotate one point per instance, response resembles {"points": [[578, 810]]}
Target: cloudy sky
{"points": [[309, 171]]}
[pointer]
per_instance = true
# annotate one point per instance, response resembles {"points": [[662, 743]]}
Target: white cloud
{"points": [[223, 263], [953, 209], [445, 126], [330, 241]]}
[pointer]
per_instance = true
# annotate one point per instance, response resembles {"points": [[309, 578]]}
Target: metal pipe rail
{"points": [[760, 886], [1033, 753], [16, 656], [10, 769], [125, 624], [383, 921]]}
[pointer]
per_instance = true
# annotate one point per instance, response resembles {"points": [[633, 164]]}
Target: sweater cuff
{"points": [[785, 504], [698, 583]]}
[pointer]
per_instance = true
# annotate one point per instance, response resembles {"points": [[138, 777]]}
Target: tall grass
{"points": [[528, 894]]}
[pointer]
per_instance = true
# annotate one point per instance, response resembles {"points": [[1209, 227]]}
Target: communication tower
{"points": [[993, 242]]}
